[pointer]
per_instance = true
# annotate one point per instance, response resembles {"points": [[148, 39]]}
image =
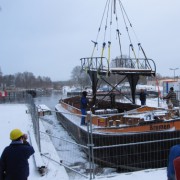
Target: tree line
{"points": [[28, 80], [25, 80], [78, 78]]}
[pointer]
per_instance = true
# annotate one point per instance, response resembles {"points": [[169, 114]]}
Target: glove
{"points": [[24, 137]]}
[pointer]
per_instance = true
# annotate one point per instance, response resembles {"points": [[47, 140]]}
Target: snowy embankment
{"points": [[14, 116]]}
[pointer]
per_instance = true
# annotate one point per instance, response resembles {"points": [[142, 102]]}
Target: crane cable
{"points": [[95, 43], [109, 56], [131, 45], [105, 29], [146, 59], [101, 64], [109, 43], [134, 31], [118, 33], [99, 29], [104, 43], [107, 15], [129, 21]]}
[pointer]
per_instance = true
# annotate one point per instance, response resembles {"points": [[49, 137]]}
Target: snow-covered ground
{"points": [[15, 116]]}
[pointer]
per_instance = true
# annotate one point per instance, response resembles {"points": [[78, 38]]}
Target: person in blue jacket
{"points": [[173, 154], [14, 159], [84, 103]]}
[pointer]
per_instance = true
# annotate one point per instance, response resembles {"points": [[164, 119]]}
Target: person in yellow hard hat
{"points": [[14, 159]]}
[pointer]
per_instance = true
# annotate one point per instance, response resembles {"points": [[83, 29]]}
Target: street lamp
{"points": [[174, 69]]}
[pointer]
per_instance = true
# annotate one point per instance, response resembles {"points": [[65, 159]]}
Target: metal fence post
{"points": [[38, 129], [91, 147]]}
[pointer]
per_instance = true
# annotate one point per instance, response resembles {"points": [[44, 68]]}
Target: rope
{"points": [[139, 44], [119, 42], [101, 63], [137, 60], [102, 52], [125, 23], [118, 33], [106, 21], [95, 44], [106, 8], [90, 64], [129, 20], [102, 20], [109, 55], [114, 6], [131, 45], [99, 29], [109, 43]]}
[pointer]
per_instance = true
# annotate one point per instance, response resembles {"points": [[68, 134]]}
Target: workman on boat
{"points": [[171, 98], [14, 159], [84, 103], [173, 154], [142, 97]]}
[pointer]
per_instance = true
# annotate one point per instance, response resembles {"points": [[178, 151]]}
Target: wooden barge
{"points": [[138, 139]]}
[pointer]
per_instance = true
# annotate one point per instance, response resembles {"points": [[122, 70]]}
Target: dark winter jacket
{"points": [[172, 97], [142, 96], [84, 102], [1, 172], [174, 153], [14, 160]]}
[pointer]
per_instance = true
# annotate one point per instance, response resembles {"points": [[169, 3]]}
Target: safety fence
{"points": [[71, 153], [87, 151], [73, 159], [126, 151]]}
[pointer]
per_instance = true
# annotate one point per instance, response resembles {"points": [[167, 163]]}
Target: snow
{"points": [[42, 107], [140, 175], [15, 116]]}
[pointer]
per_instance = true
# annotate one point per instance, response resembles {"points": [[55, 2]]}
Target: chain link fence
{"points": [[86, 153]]}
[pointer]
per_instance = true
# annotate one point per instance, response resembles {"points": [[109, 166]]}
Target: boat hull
{"points": [[125, 151]]}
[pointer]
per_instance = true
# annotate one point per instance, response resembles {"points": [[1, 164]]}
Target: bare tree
{"points": [[79, 77]]}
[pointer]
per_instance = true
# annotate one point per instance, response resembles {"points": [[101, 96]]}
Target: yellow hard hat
{"points": [[15, 134]]}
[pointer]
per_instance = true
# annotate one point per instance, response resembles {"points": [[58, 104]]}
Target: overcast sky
{"points": [[48, 37]]}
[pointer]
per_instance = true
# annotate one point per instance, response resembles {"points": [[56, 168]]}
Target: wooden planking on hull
{"points": [[130, 151]]}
